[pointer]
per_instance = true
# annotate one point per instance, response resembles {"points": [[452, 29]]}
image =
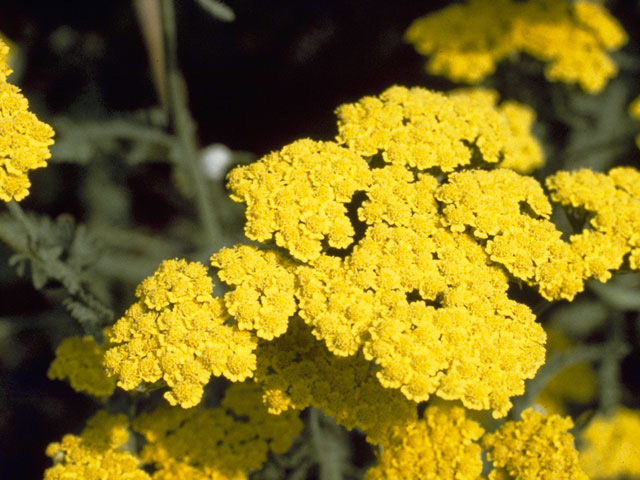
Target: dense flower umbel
{"points": [[80, 360], [24, 140], [215, 443], [612, 445], [222, 443], [465, 42], [536, 447], [177, 332], [97, 453], [422, 293], [441, 446]]}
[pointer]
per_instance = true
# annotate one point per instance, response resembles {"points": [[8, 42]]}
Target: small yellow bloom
{"points": [[177, 332], [80, 360], [24, 140], [537, 446], [440, 446], [95, 454], [634, 111]]}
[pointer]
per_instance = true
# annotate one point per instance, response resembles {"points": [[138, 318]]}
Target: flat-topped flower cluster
{"points": [[385, 283]]}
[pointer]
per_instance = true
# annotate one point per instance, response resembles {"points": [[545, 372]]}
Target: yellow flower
{"points": [[297, 196], [263, 297], [634, 111], [295, 372], [612, 445], [440, 446], [97, 453], [537, 446], [24, 140], [177, 332], [80, 360], [465, 42], [613, 202], [223, 443]]}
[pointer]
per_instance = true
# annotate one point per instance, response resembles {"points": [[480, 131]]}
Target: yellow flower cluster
{"points": [[97, 453], [177, 332], [295, 372], [422, 293], [537, 446], [262, 298], [422, 129], [634, 110], [24, 140], [440, 446], [612, 445], [466, 41], [80, 360], [297, 196], [612, 202], [223, 443]]}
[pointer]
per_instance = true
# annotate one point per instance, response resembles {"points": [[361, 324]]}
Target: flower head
{"points": [[80, 360], [97, 453], [466, 41], [176, 331], [24, 140], [537, 446]]}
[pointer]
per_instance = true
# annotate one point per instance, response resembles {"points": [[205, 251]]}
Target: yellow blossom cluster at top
{"points": [[177, 332], [537, 446], [634, 110], [466, 41], [223, 443], [421, 288], [24, 140], [80, 360], [612, 445]]}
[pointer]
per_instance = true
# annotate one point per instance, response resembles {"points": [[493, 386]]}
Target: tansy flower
{"points": [[177, 332], [24, 140], [466, 41], [634, 111], [421, 289], [97, 453], [80, 360], [537, 446], [223, 443]]}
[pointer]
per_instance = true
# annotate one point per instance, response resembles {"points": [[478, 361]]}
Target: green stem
{"points": [[185, 129]]}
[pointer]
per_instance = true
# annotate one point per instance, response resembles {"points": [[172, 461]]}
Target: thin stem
{"points": [[185, 128], [325, 450], [609, 373]]}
